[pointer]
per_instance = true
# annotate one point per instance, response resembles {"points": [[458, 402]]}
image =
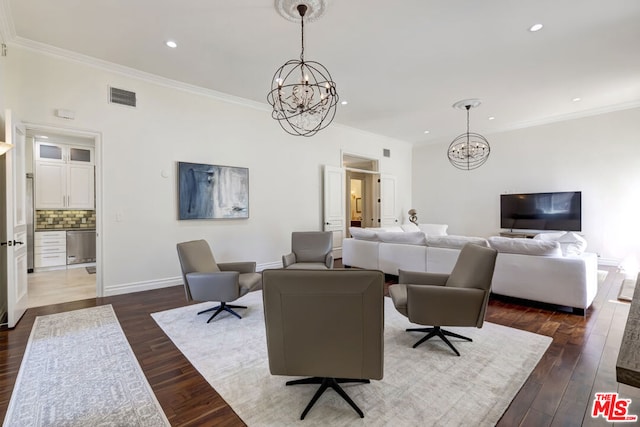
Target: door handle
{"points": [[15, 242], [327, 223], [11, 243]]}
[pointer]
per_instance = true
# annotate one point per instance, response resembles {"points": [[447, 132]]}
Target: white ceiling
{"points": [[400, 64]]}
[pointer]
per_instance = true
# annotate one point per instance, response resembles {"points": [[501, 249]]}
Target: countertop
{"points": [[37, 230]]}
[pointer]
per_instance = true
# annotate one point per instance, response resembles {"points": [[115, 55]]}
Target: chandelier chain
{"points": [[468, 107], [302, 38]]}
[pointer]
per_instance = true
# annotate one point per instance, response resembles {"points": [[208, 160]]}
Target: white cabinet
{"points": [[64, 176], [49, 249]]}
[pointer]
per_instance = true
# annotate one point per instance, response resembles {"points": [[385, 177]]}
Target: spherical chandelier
{"points": [[303, 94], [468, 150]]}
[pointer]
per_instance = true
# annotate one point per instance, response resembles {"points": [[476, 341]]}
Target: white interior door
{"points": [[388, 202], [14, 218], [334, 206]]}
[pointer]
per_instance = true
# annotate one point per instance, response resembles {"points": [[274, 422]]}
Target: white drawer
{"points": [[50, 238], [49, 260], [37, 250], [49, 242]]}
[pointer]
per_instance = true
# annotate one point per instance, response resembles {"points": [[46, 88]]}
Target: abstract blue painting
{"points": [[212, 191]]}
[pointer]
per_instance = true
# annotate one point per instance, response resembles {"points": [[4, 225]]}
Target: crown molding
{"points": [[571, 116], [133, 73]]}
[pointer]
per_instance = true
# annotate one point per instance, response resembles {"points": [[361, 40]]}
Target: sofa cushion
{"points": [[409, 227], [407, 238], [454, 242], [363, 233], [525, 246], [392, 229], [434, 229]]}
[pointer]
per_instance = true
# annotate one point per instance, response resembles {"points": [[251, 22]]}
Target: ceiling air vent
{"points": [[122, 97]]}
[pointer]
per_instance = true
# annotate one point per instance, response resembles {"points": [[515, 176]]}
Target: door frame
{"points": [[372, 204], [97, 140]]}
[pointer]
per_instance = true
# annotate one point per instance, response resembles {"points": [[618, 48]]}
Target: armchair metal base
{"points": [[325, 383], [437, 331], [223, 307]]}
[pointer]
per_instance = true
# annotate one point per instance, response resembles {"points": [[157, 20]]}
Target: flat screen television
{"points": [[542, 211]]}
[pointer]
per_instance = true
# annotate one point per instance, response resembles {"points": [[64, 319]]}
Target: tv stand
{"points": [[520, 234]]}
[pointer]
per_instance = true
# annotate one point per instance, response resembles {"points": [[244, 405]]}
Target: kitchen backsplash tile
{"points": [[60, 219]]}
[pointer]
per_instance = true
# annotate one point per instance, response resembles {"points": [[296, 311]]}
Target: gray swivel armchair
{"points": [[310, 250], [206, 280], [325, 324], [456, 299]]}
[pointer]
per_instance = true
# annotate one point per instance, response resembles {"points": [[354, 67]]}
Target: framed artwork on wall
{"points": [[212, 191]]}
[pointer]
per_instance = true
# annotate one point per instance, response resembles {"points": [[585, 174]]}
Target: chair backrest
{"points": [[311, 246], [474, 268], [195, 257], [324, 323]]}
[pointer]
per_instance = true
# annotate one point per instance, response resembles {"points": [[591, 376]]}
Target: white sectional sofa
{"points": [[532, 269]]}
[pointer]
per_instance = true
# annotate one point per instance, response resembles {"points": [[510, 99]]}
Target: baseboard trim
{"points": [[269, 265], [609, 262], [148, 285]]}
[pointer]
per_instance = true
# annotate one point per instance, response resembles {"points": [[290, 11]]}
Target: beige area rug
{"points": [[424, 386], [79, 370]]}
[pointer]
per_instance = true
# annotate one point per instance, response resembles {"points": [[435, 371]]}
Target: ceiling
{"points": [[400, 64]]}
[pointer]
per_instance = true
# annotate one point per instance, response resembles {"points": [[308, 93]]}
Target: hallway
{"points": [[58, 286]]}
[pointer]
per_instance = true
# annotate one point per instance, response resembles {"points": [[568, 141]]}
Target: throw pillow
{"points": [[410, 227], [434, 229], [454, 242], [572, 243], [363, 233], [407, 238], [553, 236]]}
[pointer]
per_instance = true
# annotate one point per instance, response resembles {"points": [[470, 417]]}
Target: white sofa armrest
{"points": [[568, 281]]}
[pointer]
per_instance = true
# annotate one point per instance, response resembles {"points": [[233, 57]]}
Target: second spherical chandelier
{"points": [[468, 150]]}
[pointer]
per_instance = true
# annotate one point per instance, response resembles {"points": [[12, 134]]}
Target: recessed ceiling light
{"points": [[492, 118], [344, 102], [172, 44], [426, 131], [535, 27], [576, 99]]}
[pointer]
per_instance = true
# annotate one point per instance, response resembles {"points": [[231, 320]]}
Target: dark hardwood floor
{"points": [[560, 391]]}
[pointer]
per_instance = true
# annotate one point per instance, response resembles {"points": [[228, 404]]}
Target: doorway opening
{"points": [[63, 215], [362, 188]]}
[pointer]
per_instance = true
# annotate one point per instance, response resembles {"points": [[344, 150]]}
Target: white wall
{"points": [[598, 155], [171, 125]]}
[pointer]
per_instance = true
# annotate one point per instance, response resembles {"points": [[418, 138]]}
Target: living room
{"points": [[138, 149]]}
